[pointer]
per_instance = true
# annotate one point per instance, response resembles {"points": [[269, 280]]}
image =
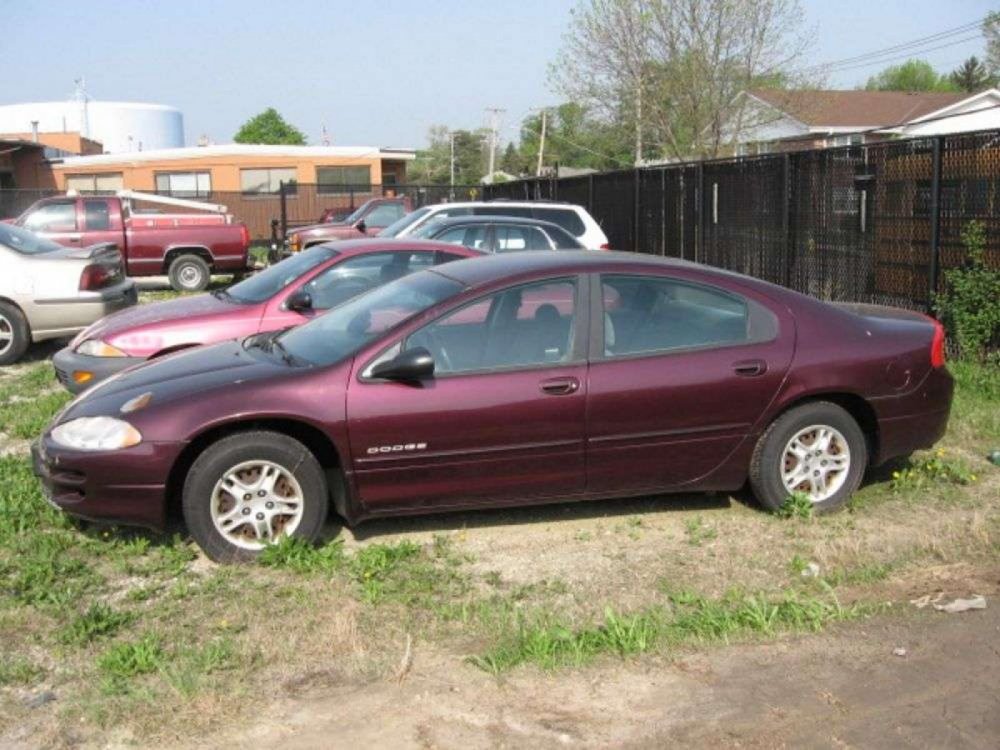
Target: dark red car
{"points": [[367, 220], [285, 294], [506, 380]]}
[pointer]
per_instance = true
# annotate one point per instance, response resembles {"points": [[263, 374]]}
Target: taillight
{"points": [[606, 246], [245, 235], [937, 345], [94, 277]]}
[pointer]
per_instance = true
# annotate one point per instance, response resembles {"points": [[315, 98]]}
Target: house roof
{"points": [[856, 108], [238, 149]]}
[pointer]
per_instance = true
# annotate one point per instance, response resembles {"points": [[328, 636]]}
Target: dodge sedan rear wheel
{"points": [[14, 335], [816, 449], [251, 489]]}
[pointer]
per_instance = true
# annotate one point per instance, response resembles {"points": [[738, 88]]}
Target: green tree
{"points": [[269, 127], [913, 75], [972, 76], [575, 138], [432, 165]]}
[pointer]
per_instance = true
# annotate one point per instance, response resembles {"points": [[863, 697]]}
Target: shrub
{"points": [[969, 306]]}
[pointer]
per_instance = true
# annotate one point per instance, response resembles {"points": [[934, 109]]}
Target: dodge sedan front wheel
{"points": [[816, 449], [249, 490], [14, 335]]}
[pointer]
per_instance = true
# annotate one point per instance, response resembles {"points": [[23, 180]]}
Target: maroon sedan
{"points": [[506, 380], [284, 295]]}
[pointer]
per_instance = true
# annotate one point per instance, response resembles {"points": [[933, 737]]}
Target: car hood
{"points": [[332, 228], [189, 373], [191, 311]]}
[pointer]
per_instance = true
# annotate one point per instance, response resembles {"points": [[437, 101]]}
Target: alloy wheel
{"points": [[816, 461], [6, 334], [255, 503]]}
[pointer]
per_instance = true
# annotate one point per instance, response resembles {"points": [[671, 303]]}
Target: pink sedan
{"points": [[282, 296]]}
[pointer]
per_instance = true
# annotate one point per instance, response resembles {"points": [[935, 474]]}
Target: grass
{"points": [[126, 626]]}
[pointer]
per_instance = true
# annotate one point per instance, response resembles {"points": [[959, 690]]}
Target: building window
{"points": [[341, 180], [854, 139], [268, 181], [184, 184], [108, 182]]}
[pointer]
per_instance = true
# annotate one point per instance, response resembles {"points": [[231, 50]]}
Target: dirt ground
{"points": [[841, 689]]}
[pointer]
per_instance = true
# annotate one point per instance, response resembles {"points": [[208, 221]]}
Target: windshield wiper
{"points": [[221, 294], [289, 358]]}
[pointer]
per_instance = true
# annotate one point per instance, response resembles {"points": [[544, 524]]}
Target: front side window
{"points": [[353, 276], [270, 281], [52, 217], [268, 181], [473, 236], [344, 330], [384, 215], [651, 314], [184, 184], [394, 229], [525, 326], [513, 238], [342, 180]]}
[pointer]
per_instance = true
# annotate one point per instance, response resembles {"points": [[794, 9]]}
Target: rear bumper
{"points": [[55, 318], [915, 421], [127, 487], [67, 363]]}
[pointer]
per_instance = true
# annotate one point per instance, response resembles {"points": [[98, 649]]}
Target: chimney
{"points": [[34, 131]]}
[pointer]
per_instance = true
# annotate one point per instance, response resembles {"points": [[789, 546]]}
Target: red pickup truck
{"points": [[187, 247]]}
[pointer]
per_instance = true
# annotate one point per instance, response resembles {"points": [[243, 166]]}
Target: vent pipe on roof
{"points": [[34, 131]]}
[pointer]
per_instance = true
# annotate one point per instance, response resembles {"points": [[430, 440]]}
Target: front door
{"points": [[502, 419], [686, 370]]}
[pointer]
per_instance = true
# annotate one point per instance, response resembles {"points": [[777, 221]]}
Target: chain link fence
{"points": [[871, 223]]}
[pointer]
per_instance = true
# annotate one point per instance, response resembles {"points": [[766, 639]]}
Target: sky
{"points": [[373, 73]]}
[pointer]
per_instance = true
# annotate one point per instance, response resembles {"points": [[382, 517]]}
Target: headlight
{"points": [[96, 434], [97, 348]]}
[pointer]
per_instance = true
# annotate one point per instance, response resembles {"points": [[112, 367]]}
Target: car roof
{"points": [[383, 244], [504, 202], [452, 221]]}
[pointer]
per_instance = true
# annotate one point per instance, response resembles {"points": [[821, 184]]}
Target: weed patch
{"points": [[796, 505], [935, 469], [99, 620]]}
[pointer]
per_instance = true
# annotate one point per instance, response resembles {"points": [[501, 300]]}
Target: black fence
{"points": [[872, 223]]}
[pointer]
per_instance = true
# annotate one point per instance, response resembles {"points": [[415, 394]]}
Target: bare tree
{"points": [[605, 58], [674, 69]]}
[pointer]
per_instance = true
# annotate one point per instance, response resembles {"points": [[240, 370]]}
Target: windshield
{"points": [[345, 329], [394, 229], [25, 242], [355, 214], [267, 283]]}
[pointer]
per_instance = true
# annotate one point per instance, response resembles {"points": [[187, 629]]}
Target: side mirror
{"points": [[412, 365], [300, 301], [361, 226]]}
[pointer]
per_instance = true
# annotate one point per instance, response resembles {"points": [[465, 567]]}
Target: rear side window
{"points": [[473, 236], [499, 209], [645, 314], [566, 218], [513, 238]]}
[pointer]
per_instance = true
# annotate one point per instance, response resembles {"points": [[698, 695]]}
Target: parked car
{"points": [[574, 219], [499, 234], [186, 247], [509, 379], [48, 291], [370, 218], [280, 296]]}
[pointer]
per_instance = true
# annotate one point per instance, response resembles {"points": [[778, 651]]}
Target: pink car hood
{"points": [[144, 330]]}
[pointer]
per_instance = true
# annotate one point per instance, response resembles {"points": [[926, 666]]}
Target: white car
{"points": [[574, 219]]}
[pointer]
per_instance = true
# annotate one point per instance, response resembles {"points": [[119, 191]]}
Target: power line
{"points": [[905, 56]]}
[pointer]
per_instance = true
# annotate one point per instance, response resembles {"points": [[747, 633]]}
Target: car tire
{"points": [[15, 336], [189, 273], [817, 448], [235, 526]]}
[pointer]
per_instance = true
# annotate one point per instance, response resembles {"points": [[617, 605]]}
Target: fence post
{"points": [[284, 208], [786, 217], [699, 218], [663, 210], [636, 219], [935, 246]]}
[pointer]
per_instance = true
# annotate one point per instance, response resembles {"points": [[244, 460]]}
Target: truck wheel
{"points": [[14, 334], [189, 273]]}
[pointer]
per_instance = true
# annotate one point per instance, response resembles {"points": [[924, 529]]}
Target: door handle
{"points": [[73, 238], [749, 368], [560, 386]]}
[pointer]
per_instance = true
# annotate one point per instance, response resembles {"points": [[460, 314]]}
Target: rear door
{"points": [[101, 223], [680, 371], [502, 419]]}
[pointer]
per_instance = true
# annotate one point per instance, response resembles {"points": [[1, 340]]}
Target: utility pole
{"points": [[541, 145], [494, 113]]}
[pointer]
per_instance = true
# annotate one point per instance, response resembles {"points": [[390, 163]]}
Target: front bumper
{"points": [[127, 486], [68, 364]]}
